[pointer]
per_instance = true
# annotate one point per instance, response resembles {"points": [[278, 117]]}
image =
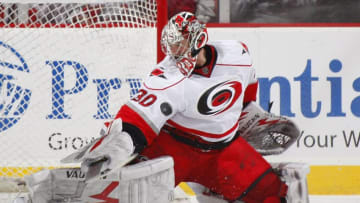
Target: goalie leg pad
{"points": [[149, 181], [294, 175]]}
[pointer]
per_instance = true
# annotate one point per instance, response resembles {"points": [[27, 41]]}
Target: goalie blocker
{"points": [[148, 181]]}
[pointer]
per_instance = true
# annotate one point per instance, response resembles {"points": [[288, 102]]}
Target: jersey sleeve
{"points": [[238, 53], [251, 89], [156, 102]]}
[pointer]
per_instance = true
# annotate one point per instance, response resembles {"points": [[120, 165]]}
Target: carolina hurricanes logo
{"points": [[158, 72], [179, 21], [182, 21], [219, 98], [246, 49]]}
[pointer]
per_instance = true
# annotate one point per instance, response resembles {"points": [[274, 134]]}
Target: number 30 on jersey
{"points": [[144, 99]]}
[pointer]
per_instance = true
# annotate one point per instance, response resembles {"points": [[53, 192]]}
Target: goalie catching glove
{"points": [[111, 151], [268, 133]]}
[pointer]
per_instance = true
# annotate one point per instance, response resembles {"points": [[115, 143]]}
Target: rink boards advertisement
{"points": [[57, 89]]}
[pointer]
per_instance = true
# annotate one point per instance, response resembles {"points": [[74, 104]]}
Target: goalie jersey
{"points": [[202, 108]]}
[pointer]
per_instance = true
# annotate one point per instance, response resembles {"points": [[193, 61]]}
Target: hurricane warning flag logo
{"points": [[14, 99]]}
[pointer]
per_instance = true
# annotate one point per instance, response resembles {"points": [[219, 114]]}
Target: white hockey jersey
{"points": [[207, 105]]}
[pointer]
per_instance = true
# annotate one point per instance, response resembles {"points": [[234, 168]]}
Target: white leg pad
{"points": [[294, 174], [149, 181]]}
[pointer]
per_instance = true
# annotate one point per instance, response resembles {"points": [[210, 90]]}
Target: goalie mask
{"points": [[182, 38]]}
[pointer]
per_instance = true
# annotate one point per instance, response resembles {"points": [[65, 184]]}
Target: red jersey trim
{"points": [[165, 87], [240, 65], [202, 133], [208, 69], [250, 92], [128, 115]]}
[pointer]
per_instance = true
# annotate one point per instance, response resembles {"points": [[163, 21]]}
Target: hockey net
{"points": [[65, 68]]}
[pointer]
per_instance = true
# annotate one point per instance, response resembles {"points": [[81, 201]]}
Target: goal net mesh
{"points": [[65, 69]]}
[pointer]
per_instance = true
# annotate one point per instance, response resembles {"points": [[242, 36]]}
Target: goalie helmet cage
{"points": [[65, 68]]}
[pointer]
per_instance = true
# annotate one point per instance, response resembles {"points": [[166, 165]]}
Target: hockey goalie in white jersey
{"points": [[197, 107]]}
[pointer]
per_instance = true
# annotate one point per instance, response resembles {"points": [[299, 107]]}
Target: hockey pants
{"points": [[235, 172]]}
